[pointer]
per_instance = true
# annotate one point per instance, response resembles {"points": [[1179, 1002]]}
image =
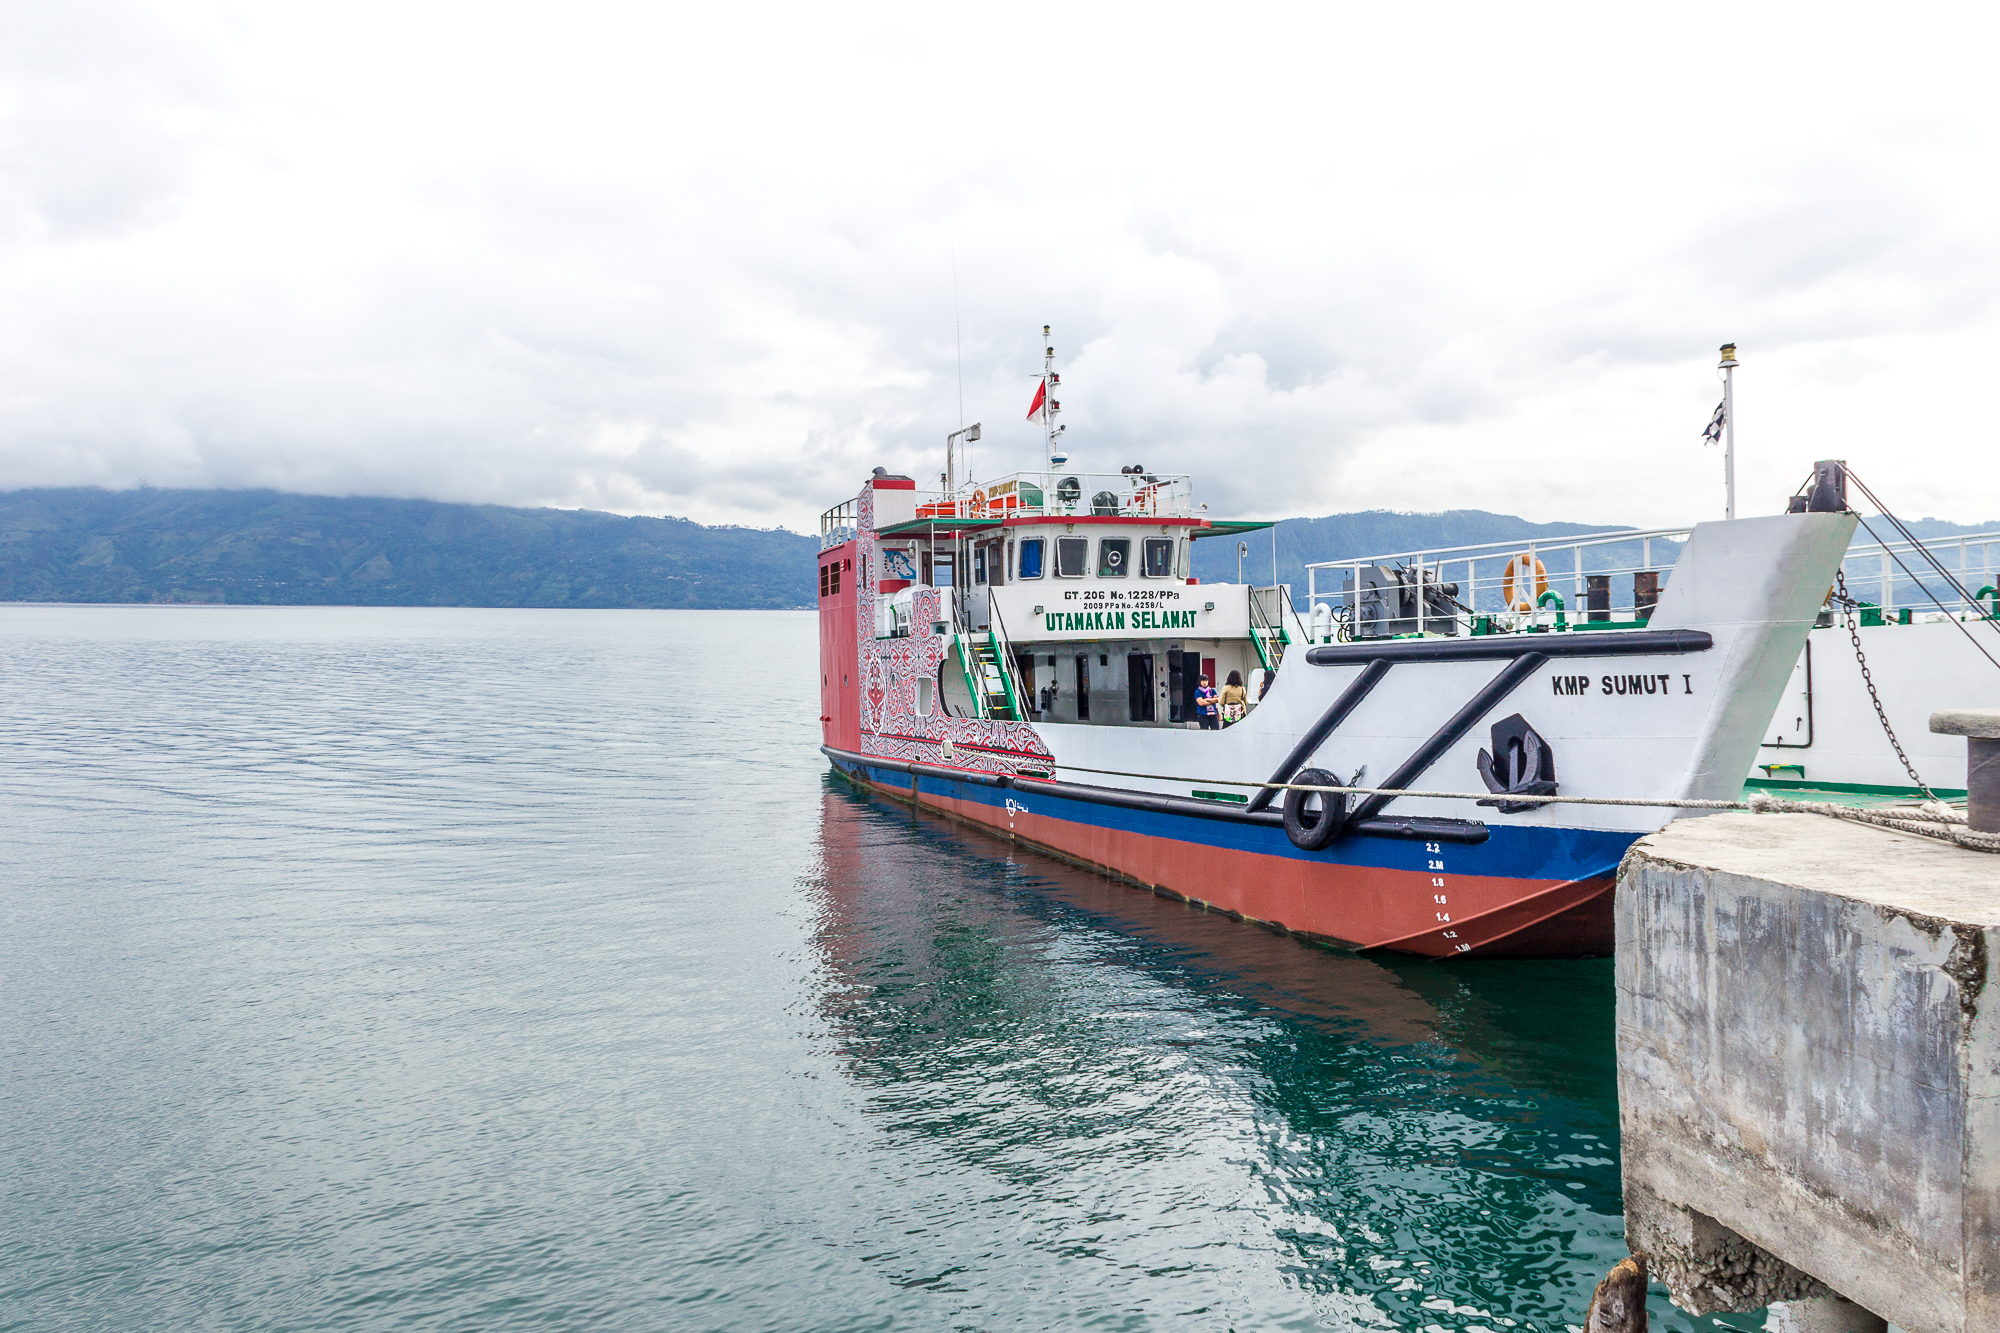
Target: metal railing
{"points": [[838, 524], [1064, 494], [1003, 649], [1268, 607], [1880, 567], [1512, 582]]}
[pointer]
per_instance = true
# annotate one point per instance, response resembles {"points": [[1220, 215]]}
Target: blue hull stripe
{"points": [[1511, 851]]}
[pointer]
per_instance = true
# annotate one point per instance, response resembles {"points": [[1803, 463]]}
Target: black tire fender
{"points": [[1314, 819]]}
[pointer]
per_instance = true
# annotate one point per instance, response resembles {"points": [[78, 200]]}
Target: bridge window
{"points": [[1072, 553], [1114, 557], [1159, 558], [1031, 558]]}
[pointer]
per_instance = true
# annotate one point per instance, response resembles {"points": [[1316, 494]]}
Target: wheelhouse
{"points": [[1075, 589]]}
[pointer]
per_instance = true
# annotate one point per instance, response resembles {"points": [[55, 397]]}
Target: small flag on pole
{"points": [[1713, 435], [1041, 392]]}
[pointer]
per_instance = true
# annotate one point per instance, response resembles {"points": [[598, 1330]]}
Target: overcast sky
{"points": [[709, 260]]}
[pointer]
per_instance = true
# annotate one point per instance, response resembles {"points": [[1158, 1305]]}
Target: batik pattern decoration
{"points": [[891, 669]]}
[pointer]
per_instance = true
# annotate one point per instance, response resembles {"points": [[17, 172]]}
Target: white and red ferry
{"points": [[1024, 653]]}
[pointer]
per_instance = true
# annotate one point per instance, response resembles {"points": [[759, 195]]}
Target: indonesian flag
{"points": [[1041, 392]]}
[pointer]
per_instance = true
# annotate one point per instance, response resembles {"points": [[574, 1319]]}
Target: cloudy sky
{"points": [[720, 260]]}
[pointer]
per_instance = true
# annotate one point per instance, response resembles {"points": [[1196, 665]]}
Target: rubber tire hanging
{"points": [[1311, 829]]}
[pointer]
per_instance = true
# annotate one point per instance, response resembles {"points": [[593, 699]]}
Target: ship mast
{"points": [[1728, 368], [1050, 407]]}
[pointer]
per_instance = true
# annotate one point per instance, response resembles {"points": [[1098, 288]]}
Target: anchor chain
{"points": [[1854, 635]]}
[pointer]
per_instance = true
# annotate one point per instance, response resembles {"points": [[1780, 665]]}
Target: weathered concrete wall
{"points": [[1809, 1067]]}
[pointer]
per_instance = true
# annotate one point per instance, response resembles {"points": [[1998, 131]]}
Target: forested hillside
{"points": [[89, 545]]}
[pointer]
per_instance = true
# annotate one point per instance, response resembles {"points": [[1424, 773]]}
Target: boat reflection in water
{"points": [[1109, 1108]]}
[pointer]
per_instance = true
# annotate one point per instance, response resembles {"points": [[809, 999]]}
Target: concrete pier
{"points": [[1809, 1071]]}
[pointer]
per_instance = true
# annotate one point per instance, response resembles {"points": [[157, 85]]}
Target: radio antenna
{"points": [[957, 338]]}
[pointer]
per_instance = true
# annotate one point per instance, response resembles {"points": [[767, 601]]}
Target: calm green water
{"points": [[393, 969]]}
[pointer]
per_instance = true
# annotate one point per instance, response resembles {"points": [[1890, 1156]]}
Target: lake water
{"points": [[455, 969]]}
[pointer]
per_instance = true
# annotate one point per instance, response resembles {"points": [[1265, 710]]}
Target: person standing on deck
{"points": [[1204, 706], [1235, 699]]}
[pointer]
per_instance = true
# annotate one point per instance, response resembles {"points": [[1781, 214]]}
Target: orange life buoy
{"points": [[979, 501], [1516, 576]]}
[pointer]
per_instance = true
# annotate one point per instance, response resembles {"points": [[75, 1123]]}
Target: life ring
{"points": [[979, 501], [1517, 573], [1314, 818]]}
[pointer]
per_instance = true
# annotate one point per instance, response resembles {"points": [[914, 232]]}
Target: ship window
{"points": [[1159, 558], [1071, 555], [1031, 558], [979, 564], [1114, 557], [1010, 560], [822, 580]]}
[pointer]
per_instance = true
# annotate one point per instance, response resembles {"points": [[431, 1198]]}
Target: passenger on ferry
{"points": [[1235, 699], [1204, 706]]}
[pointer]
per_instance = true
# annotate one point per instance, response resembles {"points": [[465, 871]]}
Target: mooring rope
{"points": [[1920, 821], [1902, 821]]}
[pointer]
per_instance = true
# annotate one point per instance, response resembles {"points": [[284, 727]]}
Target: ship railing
{"points": [[838, 524], [1610, 577], [1003, 650], [1064, 494], [1904, 584], [1268, 631]]}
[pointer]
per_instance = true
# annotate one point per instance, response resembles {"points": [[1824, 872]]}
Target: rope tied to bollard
{"points": [[1933, 819]]}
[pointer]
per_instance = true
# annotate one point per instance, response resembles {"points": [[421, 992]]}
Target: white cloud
{"points": [[700, 260]]}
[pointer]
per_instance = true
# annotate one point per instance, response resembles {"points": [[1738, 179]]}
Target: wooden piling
{"points": [[1619, 1303]]}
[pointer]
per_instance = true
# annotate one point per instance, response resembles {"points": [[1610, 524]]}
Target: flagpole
{"points": [[1729, 364]]}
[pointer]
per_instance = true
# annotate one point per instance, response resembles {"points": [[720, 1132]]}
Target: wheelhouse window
{"points": [[1159, 558], [1114, 557], [1072, 555], [1031, 558]]}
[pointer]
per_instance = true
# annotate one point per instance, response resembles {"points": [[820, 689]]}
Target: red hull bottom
{"points": [[1355, 907]]}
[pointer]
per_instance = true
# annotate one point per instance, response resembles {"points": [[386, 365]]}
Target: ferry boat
{"points": [[1025, 654]]}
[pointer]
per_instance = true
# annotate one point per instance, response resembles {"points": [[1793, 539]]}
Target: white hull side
{"points": [[1753, 585]]}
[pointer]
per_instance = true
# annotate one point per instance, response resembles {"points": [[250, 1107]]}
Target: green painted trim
{"points": [[1230, 796], [1257, 642], [918, 525], [979, 708], [1858, 788], [1006, 675], [1228, 527]]}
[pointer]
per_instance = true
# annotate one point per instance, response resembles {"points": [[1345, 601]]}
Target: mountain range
{"points": [[83, 544]]}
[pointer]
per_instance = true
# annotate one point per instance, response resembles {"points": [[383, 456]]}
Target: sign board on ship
{"points": [[1117, 613]]}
